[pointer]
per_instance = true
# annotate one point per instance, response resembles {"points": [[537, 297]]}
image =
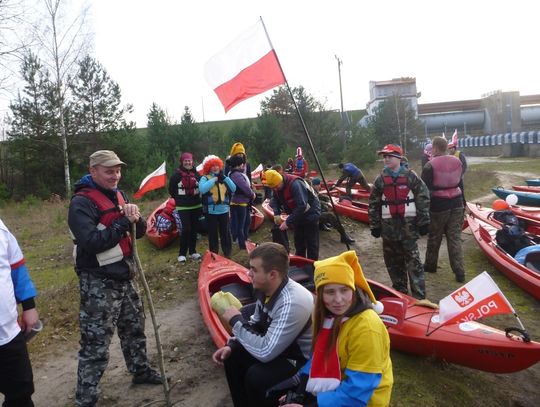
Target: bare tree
{"points": [[64, 39]]}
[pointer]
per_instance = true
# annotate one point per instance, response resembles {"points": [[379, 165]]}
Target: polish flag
{"points": [[155, 180], [479, 298], [247, 67], [256, 173]]}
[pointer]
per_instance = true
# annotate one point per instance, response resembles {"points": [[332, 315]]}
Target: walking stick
{"points": [[148, 296]]}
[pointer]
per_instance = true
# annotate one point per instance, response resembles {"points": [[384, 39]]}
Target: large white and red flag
{"points": [[246, 67], [155, 180], [479, 298]]}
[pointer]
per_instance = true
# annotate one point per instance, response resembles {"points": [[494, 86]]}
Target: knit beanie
{"points": [[273, 178], [186, 156], [209, 161], [344, 269], [237, 148]]}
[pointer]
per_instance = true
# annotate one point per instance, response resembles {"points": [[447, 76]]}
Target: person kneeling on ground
{"points": [[168, 218], [275, 340], [351, 363]]}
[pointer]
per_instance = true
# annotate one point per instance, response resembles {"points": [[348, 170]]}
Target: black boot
{"points": [[347, 239], [324, 227]]}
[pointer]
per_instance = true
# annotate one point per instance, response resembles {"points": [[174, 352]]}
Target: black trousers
{"points": [[219, 228], [16, 379], [306, 239], [190, 227], [249, 379]]}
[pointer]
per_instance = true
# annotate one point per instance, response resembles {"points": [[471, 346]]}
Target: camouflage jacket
{"points": [[399, 228]]}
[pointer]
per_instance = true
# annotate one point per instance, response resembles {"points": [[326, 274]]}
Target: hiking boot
{"points": [[347, 239], [149, 376], [195, 256], [460, 278], [182, 259]]}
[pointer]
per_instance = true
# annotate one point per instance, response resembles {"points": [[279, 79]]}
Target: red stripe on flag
{"points": [[159, 181], [493, 305], [257, 78]]}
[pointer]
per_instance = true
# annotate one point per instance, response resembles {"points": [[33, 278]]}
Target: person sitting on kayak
{"points": [[327, 215], [352, 174], [273, 342], [351, 364], [168, 218]]}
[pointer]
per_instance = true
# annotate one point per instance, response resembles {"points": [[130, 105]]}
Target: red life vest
{"points": [[285, 195], [108, 213], [167, 211], [446, 176], [398, 199], [188, 184]]}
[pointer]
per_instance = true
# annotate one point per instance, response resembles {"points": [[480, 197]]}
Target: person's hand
{"points": [[29, 318], [283, 226], [278, 220], [423, 230], [229, 313], [376, 232], [221, 355], [131, 211], [221, 177]]}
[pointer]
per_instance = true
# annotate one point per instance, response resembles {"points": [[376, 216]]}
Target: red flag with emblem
{"points": [[479, 298]]}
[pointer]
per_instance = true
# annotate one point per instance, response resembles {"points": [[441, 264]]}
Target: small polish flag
{"points": [[256, 173], [479, 298], [155, 180], [247, 67]]}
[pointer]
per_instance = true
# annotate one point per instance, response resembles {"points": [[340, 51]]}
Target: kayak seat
{"points": [[243, 292], [303, 275]]}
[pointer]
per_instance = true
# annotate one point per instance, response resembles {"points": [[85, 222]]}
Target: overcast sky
{"points": [[156, 50]]}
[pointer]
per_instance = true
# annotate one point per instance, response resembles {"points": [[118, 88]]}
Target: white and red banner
{"points": [[256, 173], [479, 298], [155, 180], [246, 67]]}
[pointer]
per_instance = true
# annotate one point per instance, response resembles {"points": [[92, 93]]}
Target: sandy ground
{"points": [[188, 347]]}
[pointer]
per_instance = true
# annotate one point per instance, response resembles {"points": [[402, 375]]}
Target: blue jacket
{"points": [[205, 185]]}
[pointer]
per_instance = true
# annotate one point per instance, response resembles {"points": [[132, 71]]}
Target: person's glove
{"points": [[423, 230], [221, 177], [376, 232]]}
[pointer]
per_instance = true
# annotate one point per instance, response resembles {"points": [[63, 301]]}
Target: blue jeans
{"points": [[238, 224]]}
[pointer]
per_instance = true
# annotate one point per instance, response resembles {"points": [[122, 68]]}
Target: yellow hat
{"points": [[237, 148], [343, 269], [273, 178]]}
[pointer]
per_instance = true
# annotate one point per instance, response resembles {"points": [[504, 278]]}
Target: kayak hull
{"points": [[355, 210], [484, 234], [524, 198], [257, 219]]}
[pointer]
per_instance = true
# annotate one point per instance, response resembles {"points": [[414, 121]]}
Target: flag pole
{"points": [[305, 130]]}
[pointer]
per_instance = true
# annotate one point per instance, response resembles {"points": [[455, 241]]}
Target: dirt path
{"points": [[187, 345]]}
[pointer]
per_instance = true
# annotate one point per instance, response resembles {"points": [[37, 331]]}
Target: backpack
{"points": [[511, 238]]}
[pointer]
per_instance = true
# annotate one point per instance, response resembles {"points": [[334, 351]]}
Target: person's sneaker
{"points": [[460, 278], [150, 376], [182, 259], [195, 256]]}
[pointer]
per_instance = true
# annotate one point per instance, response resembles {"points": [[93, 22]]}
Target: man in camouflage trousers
{"points": [[100, 220], [399, 211], [443, 175]]}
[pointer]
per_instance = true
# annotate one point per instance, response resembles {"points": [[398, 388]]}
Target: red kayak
{"points": [[163, 239], [526, 212], [486, 214], [523, 276], [351, 209], [469, 344], [356, 193], [526, 188], [269, 212], [257, 219]]}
